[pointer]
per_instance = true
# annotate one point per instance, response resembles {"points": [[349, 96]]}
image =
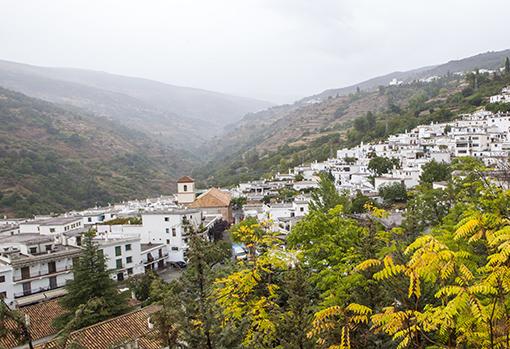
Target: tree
{"points": [[140, 285], [266, 296], [393, 193], [326, 196], [189, 313], [507, 65], [434, 171], [380, 165], [13, 323], [93, 287]]}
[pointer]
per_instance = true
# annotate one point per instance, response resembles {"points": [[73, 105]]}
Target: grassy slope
{"points": [[290, 135], [52, 159]]}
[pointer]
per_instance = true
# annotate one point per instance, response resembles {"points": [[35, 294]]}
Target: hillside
{"points": [[313, 129], [488, 60], [172, 114], [52, 159]]}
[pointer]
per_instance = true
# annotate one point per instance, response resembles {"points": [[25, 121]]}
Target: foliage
{"points": [[140, 285], [238, 202], [393, 193], [379, 165], [189, 315], [92, 295], [13, 324], [434, 171], [326, 196]]}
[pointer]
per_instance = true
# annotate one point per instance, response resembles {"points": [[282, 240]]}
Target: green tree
{"points": [[393, 193], [507, 65], [434, 171], [189, 313], [326, 196], [140, 285], [93, 287], [380, 165]]}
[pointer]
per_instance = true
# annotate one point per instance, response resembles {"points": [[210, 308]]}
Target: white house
{"points": [[172, 228], [40, 267], [123, 254], [51, 226]]}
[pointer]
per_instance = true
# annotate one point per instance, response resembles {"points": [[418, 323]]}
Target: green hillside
{"points": [[283, 137], [53, 160]]}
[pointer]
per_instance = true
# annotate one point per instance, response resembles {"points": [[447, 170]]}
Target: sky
{"points": [[276, 50]]}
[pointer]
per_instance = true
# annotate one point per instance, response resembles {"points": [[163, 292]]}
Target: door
{"points": [[25, 273], [52, 267], [53, 282], [27, 288], [120, 277]]}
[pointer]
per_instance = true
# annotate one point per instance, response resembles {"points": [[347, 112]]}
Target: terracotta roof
{"points": [[185, 179], [212, 198], [41, 317], [114, 332]]}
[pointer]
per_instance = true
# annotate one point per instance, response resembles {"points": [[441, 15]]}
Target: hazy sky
{"points": [[277, 50]]}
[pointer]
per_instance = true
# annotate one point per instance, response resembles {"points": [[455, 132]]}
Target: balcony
{"points": [[155, 260], [40, 275], [37, 291]]}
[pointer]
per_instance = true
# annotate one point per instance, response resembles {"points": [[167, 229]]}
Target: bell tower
{"points": [[185, 190]]}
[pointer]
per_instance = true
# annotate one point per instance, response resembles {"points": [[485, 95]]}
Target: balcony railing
{"points": [[40, 274], [37, 290], [155, 260]]}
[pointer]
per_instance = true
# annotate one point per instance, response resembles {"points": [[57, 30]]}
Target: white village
{"points": [[36, 254]]}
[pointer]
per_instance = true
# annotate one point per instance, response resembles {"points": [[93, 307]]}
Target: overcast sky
{"points": [[277, 50]]}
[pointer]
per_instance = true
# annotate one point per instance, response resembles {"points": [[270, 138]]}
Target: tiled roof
{"points": [[114, 332], [185, 179], [41, 318], [212, 198]]}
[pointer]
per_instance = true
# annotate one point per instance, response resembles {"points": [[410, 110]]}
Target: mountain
{"points": [[53, 159], [172, 114], [314, 127]]}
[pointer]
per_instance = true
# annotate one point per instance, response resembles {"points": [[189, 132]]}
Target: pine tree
{"points": [[189, 314], [326, 197], [507, 65], [92, 295]]}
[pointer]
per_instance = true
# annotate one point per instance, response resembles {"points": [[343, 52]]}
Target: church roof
{"points": [[212, 198], [185, 179]]}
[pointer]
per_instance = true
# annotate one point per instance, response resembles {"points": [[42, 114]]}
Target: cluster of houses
{"points": [[37, 255], [503, 97]]}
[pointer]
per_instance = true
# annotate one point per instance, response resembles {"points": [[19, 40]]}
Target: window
{"points": [[168, 242], [90, 219], [167, 230], [174, 232], [128, 247], [130, 271], [118, 263], [2, 278], [167, 219], [301, 209], [175, 248], [185, 187], [48, 247], [118, 251], [52, 230], [129, 260], [33, 250]]}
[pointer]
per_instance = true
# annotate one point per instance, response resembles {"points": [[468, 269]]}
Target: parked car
{"points": [[178, 265]]}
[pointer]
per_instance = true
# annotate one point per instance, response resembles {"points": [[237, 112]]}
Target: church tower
{"points": [[185, 190]]}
